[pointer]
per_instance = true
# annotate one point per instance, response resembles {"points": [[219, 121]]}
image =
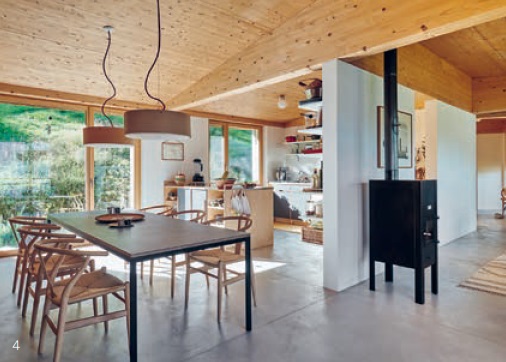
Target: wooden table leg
{"points": [[247, 288], [133, 311]]}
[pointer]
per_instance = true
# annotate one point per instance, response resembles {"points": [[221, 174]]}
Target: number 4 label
{"points": [[16, 345]]}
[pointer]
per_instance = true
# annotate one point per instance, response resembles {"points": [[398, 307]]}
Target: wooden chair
{"points": [[161, 209], [16, 222], [33, 273], [80, 287], [157, 209], [503, 201], [196, 216], [219, 259]]}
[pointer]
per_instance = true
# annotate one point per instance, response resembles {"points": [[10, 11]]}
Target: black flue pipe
{"points": [[390, 116]]}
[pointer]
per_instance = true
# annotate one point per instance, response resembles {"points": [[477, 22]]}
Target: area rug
{"points": [[490, 278]]}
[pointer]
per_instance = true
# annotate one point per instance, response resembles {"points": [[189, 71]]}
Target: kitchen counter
{"points": [[289, 183]]}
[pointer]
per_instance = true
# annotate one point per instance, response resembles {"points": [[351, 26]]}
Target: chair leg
{"points": [[187, 282], [225, 279], [16, 273], [220, 287], [60, 331], [172, 275], [95, 307], [142, 270], [253, 287], [35, 308], [43, 325], [23, 276], [127, 308], [151, 271], [26, 295], [106, 310]]}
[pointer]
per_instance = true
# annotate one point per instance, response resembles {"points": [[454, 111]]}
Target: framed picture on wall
{"points": [[173, 151], [405, 139]]}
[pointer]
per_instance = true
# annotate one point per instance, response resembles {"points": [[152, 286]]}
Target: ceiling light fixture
{"points": [[153, 124], [105, 136], [282, 102]]}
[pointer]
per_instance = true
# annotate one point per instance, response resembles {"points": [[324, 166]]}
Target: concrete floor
{"points": [[296, 319]]}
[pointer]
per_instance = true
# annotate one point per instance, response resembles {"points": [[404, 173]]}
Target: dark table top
{"points": [[156, 236]]}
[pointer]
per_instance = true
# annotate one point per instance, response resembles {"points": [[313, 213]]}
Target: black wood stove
{"points": [[403, 229]]}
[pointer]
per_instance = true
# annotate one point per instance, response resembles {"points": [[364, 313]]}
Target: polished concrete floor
{"points": [[296, 319]]}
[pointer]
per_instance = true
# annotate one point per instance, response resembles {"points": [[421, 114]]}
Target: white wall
{"points": [[456, 168], [155, 170], [491, 159], [274, 151], [351, 97]]}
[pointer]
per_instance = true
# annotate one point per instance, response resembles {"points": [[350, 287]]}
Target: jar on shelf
{"points": [[310, 208]]}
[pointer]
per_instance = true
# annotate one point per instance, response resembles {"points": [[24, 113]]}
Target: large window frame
{"points": [[226, 125], [89, 112]]}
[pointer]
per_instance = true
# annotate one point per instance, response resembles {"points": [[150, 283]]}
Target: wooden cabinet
{"points": [[218, 203]]}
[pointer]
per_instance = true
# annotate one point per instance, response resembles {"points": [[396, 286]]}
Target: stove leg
{"points": [[434, 278], [389, 272], [419, 286], [372, 275]]}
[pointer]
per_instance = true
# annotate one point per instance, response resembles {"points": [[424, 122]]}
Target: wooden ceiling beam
{"points": [[494, 125], [425, 72], [233, 119], [489, 95], [40, 94], [331, 29]]}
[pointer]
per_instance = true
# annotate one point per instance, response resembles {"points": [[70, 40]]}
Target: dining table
{"points": [[154, 237]]}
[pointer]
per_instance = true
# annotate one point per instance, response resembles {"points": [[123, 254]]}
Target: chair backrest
{"points": [[197, 216], [61, 248], [503, 194], [243, 222], [157, 209], [30, 234], [18, 221]]}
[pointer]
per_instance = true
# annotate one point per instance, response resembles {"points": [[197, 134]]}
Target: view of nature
{"points": [[42, 165], [242, 146]]}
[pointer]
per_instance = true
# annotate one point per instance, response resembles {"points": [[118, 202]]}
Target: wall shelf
{"points": [[308, 155], [311, 104], [303, 142], [311, 131]]}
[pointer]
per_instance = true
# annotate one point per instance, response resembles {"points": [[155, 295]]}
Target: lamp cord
{"points": [[102, 108], [156, 59]]}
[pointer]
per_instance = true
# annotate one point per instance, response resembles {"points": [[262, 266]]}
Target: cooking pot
{"points": [[313, 89], [290, 139]]}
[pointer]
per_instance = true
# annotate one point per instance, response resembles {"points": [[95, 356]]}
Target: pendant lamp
{"points": [[105, 136], [153, 124]]}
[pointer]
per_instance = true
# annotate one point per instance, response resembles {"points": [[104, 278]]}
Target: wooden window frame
{"points": [[226, 126]]}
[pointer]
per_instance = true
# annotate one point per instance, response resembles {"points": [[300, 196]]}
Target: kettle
{"points": [[281, 174]]}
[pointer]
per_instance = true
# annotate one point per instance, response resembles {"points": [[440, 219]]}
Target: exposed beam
{"points": [[425, 72], [331, 29], [489, 94], [491, 115], [494, 125], [39, 94], [297, 122], [234, 119]]}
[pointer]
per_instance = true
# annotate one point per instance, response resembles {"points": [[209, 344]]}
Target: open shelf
{"points": [[308, 155], [313, 104], [311, 131], [303, 142]]}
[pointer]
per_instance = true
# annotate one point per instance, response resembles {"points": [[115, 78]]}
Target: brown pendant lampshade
{"points": [[105, 137], [151, 124]]}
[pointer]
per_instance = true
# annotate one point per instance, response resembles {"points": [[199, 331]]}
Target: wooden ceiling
{"points": [[233, 57], [479, 51]]}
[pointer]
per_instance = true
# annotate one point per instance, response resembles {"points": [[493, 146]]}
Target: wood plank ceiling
{"points": [[58, 46]]}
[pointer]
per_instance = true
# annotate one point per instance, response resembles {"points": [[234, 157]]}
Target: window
{"points": [[236, 148], [113, 168], [42, 163]]}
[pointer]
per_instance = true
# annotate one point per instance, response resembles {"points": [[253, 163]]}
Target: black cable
{"points": [[156, 59], [102, 108]]}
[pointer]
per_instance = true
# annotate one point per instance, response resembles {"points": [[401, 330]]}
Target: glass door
{"points": [[113, 170]]}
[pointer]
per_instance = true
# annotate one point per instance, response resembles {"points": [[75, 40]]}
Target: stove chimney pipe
{"points": [[391, 124]]}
